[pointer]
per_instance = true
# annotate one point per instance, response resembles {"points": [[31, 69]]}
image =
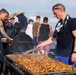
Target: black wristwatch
{"points": [[74, 52]]}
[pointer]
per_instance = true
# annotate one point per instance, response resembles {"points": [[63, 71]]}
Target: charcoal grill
{"points": [[20, 70], [22, 42]]}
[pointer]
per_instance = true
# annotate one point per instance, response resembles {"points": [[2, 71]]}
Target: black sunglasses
{"points": [[56, 8]]}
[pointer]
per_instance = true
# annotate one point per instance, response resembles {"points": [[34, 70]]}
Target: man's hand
{"points": [[39, 47], [73, 57], [10, 41]]}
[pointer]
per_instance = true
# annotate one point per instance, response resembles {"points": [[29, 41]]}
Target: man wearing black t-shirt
{"points": [[65, 34]]}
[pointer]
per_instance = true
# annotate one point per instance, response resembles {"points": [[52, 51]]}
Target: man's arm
{"points": [[49, 41], [51, 33], [38, 31], [74, 34], [73, 57], [3, 32]]}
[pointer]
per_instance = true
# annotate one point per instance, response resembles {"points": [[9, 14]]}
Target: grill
{"points": [[22, 42], [20, 70]]}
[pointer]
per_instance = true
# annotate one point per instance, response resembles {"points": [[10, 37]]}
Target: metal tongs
{"points": [[31, 50]]}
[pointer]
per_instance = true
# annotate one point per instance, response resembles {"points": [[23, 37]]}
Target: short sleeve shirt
{"points": [[35, 28], [65, 41]]}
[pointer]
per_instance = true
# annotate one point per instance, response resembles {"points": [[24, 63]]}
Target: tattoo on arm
{"points": [[3, 32]]}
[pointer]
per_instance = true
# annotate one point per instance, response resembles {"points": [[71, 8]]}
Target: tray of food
{"points": [[37, 64]]}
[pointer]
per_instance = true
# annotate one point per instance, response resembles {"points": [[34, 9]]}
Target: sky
{"points": [[43, 8]]}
